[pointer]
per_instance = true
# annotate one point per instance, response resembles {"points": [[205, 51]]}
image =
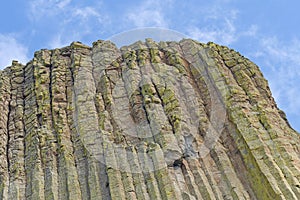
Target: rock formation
{"points": [[168, 120]]}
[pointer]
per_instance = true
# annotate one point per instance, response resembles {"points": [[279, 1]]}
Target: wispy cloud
{"points": [[283, 52], [89, 17], [42, 8], [63, 3], [149, 13], [11, 49], [57, 41], [219, 25], [64, 9], [224, 35], [283, 71], [69, 20], [85, 12]]}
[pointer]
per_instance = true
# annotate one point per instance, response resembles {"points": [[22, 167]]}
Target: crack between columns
{"points": [[7, 130], [105, 191], [23, 122]]}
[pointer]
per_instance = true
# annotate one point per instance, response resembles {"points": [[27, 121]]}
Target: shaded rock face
{"points": [[168, 120]]}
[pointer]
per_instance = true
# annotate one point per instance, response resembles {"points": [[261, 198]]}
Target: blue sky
{"points": [[267, 31]]}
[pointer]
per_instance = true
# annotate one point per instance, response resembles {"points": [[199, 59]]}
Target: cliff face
{"points": [[149, 121]]}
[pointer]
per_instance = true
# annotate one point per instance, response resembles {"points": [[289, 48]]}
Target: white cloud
{"points": [[41, 8], [219, 24], [283, 62], [88, 16], [57, 42], [283, 52], [250, 32], [149, 13], [225, 35], [67, 20], [64, 12], [219, 11], [56, 8], [11, 49], [85, 12], [63, 3], [147, 18], [218, 27]]}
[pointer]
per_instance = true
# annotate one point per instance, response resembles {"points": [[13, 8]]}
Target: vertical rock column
{"points": [[33, 161], [68, 178], [15, 146], [47, 136], [168, 120], [85, 115], [4, 107]]}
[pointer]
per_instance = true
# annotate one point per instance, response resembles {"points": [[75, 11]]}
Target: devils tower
{"points": [[152, 120]]}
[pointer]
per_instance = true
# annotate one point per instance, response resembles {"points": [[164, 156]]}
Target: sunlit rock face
{"points": [[168, 120]]}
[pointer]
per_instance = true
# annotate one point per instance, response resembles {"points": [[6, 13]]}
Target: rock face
{"points": [[168, 120]]}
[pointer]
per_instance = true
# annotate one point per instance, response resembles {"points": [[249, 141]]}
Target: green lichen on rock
{"points": [[167, 120]]}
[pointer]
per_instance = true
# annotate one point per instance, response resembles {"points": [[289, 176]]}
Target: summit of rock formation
{"points": [[168, 120]]}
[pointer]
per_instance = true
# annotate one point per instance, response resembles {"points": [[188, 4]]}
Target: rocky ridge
{"points": [[168, 120]]}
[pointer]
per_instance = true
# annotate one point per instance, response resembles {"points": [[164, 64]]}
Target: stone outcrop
{"points": [[168, 120]]}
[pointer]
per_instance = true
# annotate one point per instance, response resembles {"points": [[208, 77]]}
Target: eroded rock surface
{"points": [[168, 120]]}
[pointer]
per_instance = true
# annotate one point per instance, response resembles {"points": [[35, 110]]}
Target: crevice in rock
{"points": [[253, 168], [81, 154], [146, 113], [254, 157], [8, 132], [198, 83], [236, 158], [163, 105], [103, 176]]}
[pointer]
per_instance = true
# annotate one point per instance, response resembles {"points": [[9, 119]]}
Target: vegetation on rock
{"points": [[168, 120]]}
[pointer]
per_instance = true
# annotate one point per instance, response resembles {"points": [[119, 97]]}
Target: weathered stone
{"points": [[168, 120]]}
